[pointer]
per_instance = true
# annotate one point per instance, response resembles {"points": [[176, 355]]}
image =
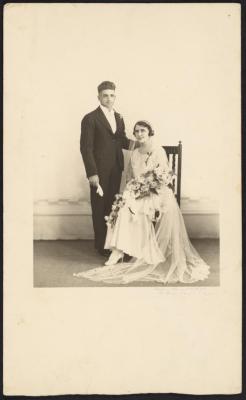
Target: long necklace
{"points": [[148, 156]]}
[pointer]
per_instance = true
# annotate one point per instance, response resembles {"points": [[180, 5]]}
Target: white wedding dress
{"points": [[161, 252]]}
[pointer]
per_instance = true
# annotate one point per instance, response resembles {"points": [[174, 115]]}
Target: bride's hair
{"points": [[147, 125]]}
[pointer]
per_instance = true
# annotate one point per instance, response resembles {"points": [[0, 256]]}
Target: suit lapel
{"points": [[117, 119], [103, 120]]}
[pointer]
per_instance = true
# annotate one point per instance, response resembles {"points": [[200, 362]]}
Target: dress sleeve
{"points": [[129, 169], [129, 173], [161, 158]]}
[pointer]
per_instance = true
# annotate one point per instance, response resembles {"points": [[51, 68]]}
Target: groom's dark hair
{"points": [[106, 85], [147, 125]]}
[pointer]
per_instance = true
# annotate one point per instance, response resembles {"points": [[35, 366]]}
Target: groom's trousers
{"points": [[101, 206]]}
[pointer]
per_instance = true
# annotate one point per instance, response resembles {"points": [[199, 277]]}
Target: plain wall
{"points": [[170, 68], [170, 65]]}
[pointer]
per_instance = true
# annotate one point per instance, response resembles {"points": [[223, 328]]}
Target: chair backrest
{"points": [[174, 155]]}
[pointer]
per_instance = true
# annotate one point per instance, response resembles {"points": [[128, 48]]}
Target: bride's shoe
{"points": [[115, 256]]}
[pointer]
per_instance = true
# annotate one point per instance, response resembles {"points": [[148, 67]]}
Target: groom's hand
{"points": [[94, 180]]}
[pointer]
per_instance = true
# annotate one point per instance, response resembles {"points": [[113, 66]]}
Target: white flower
{"points": [[126, 194]]}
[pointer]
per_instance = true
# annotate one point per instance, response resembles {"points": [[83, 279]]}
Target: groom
{"points": [[102, 139]]}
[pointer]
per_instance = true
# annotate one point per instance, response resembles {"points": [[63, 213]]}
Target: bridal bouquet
{"points": [[149, 182], [117, 204]]}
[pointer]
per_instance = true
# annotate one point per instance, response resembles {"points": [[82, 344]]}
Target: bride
{"points": [[148, 225]]}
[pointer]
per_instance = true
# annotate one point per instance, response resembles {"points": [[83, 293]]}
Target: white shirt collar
{"points": [[106, 110]]}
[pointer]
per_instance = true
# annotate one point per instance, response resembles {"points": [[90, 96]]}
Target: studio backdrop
{"points": [[169, 68]]}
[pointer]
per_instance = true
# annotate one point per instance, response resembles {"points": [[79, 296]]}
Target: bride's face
{"points": [[141, 133]]}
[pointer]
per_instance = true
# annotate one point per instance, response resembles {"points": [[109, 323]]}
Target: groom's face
{"points": [[107, 98]]}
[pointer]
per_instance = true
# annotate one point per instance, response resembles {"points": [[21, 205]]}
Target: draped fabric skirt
{"points": [[160, 251]]}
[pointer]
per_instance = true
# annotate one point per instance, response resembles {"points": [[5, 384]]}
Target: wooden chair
{"points": [[174, 155]]}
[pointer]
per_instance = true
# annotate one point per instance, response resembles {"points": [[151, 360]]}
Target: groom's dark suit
{"points": [[102, 154]]}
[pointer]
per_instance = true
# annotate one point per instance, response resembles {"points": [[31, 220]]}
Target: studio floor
{"points": [[55, 262]]}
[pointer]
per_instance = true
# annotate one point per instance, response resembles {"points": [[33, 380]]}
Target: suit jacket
{"points": [[101, 149]]}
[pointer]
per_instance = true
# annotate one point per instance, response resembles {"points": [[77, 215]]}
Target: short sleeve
{"points": [[129, 167], [161, 158]]}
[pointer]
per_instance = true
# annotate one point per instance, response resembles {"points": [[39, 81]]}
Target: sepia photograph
{"points": [[126, 152], [122, 194]]}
